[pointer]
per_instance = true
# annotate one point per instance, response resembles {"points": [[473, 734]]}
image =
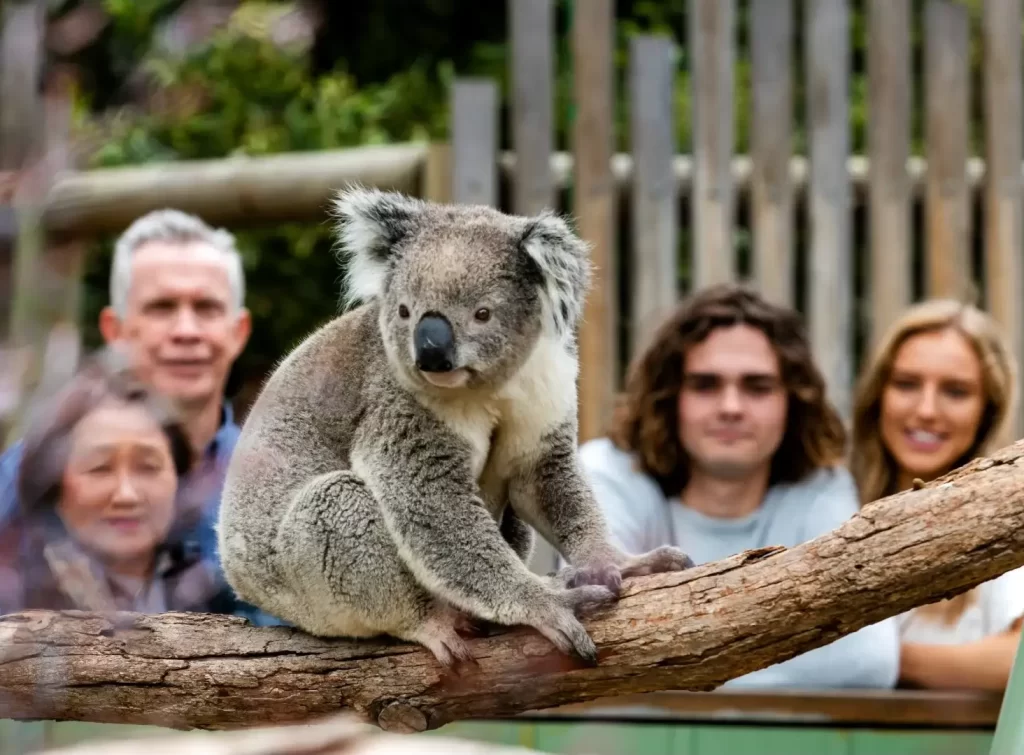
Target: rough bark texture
{"points": [[683, 631]]}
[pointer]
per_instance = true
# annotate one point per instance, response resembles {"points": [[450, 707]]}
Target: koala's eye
{"points": [[403, 311], [483, 314]]}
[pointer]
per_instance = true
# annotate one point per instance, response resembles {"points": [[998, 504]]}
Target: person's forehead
{"points": [[734, 350], [944, 353], [113, 422], [164, 267]]}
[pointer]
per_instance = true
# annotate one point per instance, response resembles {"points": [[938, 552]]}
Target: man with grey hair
{"points": [[177, 311]]}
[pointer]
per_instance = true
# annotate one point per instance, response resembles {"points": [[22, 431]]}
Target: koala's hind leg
{"points": [[345, 577]]}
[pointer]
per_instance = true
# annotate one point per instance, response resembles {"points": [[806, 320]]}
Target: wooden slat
{"points": [[475, 142], [947, 123], [889, 102], [830, 307], [436, 183], [771, 40], [532, 38], [711, 25], [21, 60], [654, 198], [594, 205], [1004, 237]]}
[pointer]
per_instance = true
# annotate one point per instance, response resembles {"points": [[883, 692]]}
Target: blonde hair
{"points": [[871, 463]]}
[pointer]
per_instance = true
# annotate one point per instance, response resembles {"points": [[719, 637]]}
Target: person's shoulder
{"points": [[825, 497], [824, 481], [601, 456], [605, 463], [602, 453]]}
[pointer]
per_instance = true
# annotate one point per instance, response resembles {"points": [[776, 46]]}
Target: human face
{"points": [[932, 403], [119, 484], [733, 404], [181, 326]]}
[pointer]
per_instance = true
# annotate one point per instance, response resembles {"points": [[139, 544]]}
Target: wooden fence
{"points": [[702, 194], [662, 223]]}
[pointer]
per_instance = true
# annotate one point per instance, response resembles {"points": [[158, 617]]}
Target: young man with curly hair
{"points": [[724, 441]]}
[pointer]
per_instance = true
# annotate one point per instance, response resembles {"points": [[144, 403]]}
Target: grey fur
{"points": [[364, 500]]}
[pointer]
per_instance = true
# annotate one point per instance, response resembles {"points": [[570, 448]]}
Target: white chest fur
{"points": [[506, 429]]}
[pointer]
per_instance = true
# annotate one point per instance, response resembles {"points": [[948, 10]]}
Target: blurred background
{"points": [[849, 157]]}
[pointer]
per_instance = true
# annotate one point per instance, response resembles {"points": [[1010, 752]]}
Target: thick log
{"points": [[298, 186], [685, 631], [294, 186]]}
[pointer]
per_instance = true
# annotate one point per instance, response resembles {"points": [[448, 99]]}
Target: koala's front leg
{"points": [[453, 546], [551, 493]]}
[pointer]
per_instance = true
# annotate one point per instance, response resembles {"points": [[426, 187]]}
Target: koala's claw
{"points": [[567, 634], [439, 634], [664, 559], [450, 650], [606, 575], [578, 599]]}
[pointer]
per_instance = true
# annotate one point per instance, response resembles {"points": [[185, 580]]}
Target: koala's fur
{"points": [[363, 499]]}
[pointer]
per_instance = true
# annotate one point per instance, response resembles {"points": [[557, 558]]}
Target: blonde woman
{"points": [[937, 393]]}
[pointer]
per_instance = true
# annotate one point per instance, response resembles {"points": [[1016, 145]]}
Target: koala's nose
{"points": [[434, 342]]}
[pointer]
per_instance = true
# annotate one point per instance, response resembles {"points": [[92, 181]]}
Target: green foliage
{"points": [[241, 92]]}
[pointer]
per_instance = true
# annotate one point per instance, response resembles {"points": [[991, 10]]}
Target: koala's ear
{"points": [[563, 260], [370, 223]]}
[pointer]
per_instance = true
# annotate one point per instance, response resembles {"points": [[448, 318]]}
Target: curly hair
{"points": [[645, 421]]}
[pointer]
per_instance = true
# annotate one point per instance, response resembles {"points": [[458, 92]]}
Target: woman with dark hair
{"points": [[98, 486]]}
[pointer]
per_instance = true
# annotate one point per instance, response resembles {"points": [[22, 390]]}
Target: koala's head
{"points": [[465, 292]]}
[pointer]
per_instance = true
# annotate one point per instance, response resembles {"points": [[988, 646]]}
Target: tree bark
{"points": [[685, 631]]}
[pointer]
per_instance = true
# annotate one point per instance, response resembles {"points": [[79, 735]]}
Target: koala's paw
{"points": [[559, 622], [440, 636], [664, 559], [607, 575]]}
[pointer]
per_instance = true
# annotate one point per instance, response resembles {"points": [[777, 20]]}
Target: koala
{"points": [[396, 464]]}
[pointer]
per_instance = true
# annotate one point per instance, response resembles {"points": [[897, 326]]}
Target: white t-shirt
{"points": [[641, 518], [996, 605]]}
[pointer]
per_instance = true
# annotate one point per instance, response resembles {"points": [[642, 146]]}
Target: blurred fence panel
{"points": [[655, 206], [771, 48], [889, 102], [1003, 125], [947, 130]]}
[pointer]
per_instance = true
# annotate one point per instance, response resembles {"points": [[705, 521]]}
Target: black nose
{"points": [[435, 344]]}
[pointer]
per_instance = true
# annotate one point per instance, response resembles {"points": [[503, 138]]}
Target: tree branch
{"points": [[685, 631]]}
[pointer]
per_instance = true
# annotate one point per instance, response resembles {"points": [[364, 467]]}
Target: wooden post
{"points": [[889, 97], [532, 40], [437, 173], [21, 116], [831, 274], [947, 128], [595, 208], [711, 25], [655, 200], [771, 40], [1004, 238], [475, 142]]}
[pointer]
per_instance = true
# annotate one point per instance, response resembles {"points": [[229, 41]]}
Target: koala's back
{"points": [[300, 426]]}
